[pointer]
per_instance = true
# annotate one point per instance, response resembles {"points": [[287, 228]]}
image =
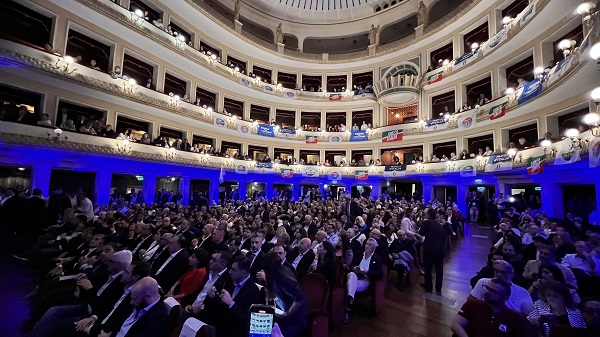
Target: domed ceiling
{"points": [[304, 11]]}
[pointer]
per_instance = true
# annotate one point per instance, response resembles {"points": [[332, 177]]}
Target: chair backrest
{"points": [[315, 289], [193, 327], [174, 311]]}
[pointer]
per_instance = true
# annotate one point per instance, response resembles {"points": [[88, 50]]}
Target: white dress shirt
{"points": [[212, 278], [108, 282], [134, 317]]}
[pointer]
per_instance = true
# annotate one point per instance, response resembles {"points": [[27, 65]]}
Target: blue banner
{"points": [[530, 91], [286, 133], [266, 130], [359, 136]]}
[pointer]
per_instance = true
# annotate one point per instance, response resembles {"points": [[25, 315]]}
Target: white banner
{"points": [[568, 153], [559, 70], [219, 120], [499, 162], [594, 152], [245, 82], [268, 88], [467, 120], [241, 168], [335, 139], [527, 14], [494, 41], [244, 127], [464, 60], [290, 94], [310, 171]]}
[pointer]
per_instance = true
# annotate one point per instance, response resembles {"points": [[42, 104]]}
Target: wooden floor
{"points": [[408, 313]]}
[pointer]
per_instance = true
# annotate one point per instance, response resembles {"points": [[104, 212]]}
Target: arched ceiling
{"points": [[306, 11]]}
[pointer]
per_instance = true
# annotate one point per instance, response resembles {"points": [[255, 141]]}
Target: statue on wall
{"points": [[279, 34], [422, 14], [373, 35], [236, 11]]}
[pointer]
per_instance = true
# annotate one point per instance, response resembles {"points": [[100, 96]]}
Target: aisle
{"points": [[413, 312]]}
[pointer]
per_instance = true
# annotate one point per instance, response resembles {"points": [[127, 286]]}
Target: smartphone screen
{"points": [[261, 321]]}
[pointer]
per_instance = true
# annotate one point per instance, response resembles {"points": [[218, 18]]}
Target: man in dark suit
{"points": [[149, 317], [186, 231], [218, 241], [121, 309], [255, 255], [302, 257], [354, 243], [229, 309], [310, 226], [246, 238], [434, 249], [233, 246], [207, 241], [215, 281], [144, 240], [175, 266], [131, 195]]}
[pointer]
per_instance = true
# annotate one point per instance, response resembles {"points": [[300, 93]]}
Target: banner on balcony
{"points": [[334, 175], [359, 136], [568, 153], [243, 128], [467, 120], [361, 174], [535, 165], [290, 94], [263, 167], [464, 60], [559, 70], [312, 139], [494, 41], [245, 82], [241, 169], [363, 95], [219, 120], [468, 170], [335, 139], [268, 88], [530, 91], [394, 171], [335, 97], [287, 173], [435, 77], [499, 162], [391, 136], [594, 152], [310, 171], [528, 13], [436, 124], [266, 130], [498, 111], [286, 133]]}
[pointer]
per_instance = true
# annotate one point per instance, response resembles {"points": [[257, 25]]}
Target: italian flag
{"points": [[287, 173], [497, 111], [391, 136], [361, 174], [311, 139], [436, 77]]}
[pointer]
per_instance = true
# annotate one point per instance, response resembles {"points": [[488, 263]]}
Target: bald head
{"points": [[304, 245], [144, 292]]}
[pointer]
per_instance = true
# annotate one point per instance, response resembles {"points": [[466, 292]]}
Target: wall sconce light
{"points": [[175, 99], [595, 52], [510, 93], [137, 17], [572, 133], [55, 136], [546, 143], [257, 79], [67, 60], [506, 22], [420, 168], [512, 152], [592, 118], [170, 153], [446, 62], [586, 8], [130, 84], [567, 46], [180, 41], [474, 46], [123, 146], [539, 73]]}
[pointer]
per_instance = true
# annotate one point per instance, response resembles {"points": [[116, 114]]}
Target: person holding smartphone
{"points": [[291, 308]]}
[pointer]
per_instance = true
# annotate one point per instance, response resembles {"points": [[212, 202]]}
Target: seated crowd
{"points": [[540, 280], [104, 267]]}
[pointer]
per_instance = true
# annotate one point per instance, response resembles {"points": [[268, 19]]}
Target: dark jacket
{"points": [[305, 262], [435, 238], [153, 323], [375, 271], [172, 271]]}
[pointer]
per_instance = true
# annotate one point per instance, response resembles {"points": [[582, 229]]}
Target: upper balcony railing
{"points": [[567, 151], [15, 53]]}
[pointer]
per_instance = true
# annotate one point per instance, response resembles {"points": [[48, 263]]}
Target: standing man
{"points": [[434, 249], [473, 203]]}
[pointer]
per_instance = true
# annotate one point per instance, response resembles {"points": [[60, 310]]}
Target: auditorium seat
{"points": [[316, 292], [196, 328], [174, 310], [337, 304]]}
